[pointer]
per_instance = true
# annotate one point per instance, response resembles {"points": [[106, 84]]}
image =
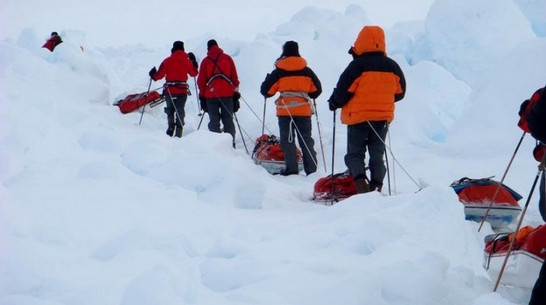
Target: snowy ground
{"points": [[97, 209]]}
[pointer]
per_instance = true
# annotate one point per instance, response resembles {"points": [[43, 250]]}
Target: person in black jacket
{"points": [[366, 92], [298, 86]]}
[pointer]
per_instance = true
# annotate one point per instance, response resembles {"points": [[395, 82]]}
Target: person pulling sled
{"points": [[175, 69], [298, 85], [366, 92], [218, 89]]}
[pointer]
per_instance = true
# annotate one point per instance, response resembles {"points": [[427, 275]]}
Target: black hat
{"points": [[290, 48], [177, 45], [54, 34], [211, 43]]}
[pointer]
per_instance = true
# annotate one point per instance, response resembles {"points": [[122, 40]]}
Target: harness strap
{"points": [[221, 73], [301, 94], [177, 84]]}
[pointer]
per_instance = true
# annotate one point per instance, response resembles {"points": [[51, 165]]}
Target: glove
{"points": [[193, 60], [203, 103], [332, 106], [152, 72], [236, 103]]}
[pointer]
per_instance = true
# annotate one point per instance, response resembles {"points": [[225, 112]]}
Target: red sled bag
{"points": [[134, 101], [268, 153], [336, 188]]}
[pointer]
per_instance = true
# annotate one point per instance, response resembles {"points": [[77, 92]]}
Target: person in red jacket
{"points": [[53, 41], [175, 69], [298, 85], [366, 92], [218, 89]]}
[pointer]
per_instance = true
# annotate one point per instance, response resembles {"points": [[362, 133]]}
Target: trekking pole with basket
{"points": [[320, 136], [147, 92]]}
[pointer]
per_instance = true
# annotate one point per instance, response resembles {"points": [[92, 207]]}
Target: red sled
{"points": [[134, 101], [268, 153], [333, 189], [526, 257]]}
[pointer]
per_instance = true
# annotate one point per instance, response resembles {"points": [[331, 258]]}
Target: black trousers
{"points": [[362, 137], [175, 105], [221, 110], [288, 133]]}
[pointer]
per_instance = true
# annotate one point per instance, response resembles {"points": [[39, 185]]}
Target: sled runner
{"points": [[525, 260], [134, 101], [268, 153], [476, 196], [336, 188]]}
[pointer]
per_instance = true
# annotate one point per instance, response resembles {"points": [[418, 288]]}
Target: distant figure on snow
{"points": [[53, 41], [175, 69], [219, 89], [298, 86], [366, 92]]}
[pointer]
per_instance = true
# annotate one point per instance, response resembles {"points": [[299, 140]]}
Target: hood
{"points": [[291, 63], [214, 51], [370, 39]]}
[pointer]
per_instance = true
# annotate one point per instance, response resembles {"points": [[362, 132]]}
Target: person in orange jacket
{"points": [[218, 89], [298, 85], [175, 69], [366, 92], [53, 41]]}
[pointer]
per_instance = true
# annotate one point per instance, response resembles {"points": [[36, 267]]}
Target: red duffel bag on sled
{"points": [[134, 101], [336, 188]]}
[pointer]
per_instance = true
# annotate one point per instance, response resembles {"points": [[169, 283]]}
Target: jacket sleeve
{"points": [[341, 95], [316, 83], [269, 88], [162, 71], [402, 82], [202, 76], [234, 77]]}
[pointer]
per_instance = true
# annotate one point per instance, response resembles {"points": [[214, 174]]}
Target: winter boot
{"points": [[362, 185], [375, 186], [170, 128], [178, 130]]}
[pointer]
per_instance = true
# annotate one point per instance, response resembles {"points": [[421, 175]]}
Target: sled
{"points": [[134, 101], [476, 195], [268, 153], [525, 260], [334, 189]]}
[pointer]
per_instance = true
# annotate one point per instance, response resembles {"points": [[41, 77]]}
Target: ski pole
{"points": [[147, 92], [240, 132], [387, 163], [320, 136], [501, 181], [540, 170], [197, 100], [200, 121], [333, 153], [263, 117]]}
